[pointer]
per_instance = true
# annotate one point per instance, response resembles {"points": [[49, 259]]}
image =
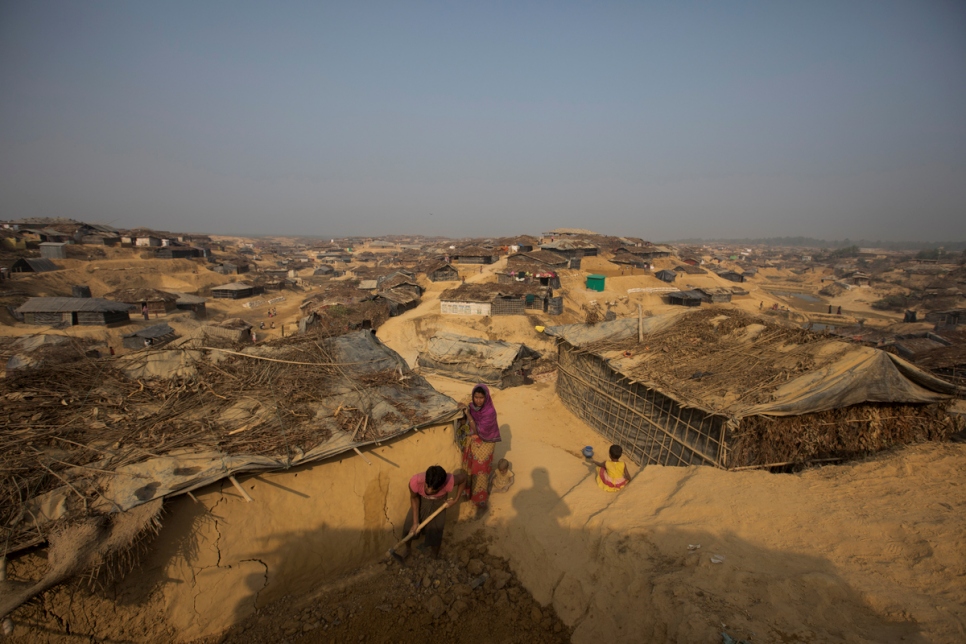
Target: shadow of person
{"points": [[539, 506], [503, 447]]}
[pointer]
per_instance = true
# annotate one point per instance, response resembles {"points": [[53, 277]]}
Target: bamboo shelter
{"points": [[725, 389], [91, 439]]}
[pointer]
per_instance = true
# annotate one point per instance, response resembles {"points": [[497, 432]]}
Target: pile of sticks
{"points": [[838, 433], [703, 358], [90, 416]]}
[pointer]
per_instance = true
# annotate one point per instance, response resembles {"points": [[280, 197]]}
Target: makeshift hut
{"points": [[155, 335], [178, 252], [623, 258], [649, 251], [193, 303], [398, 300], [732, 276], [401, 282], [496, 363], [666, 275], [236, 291], [232, 329], [475, 255], [690, 270], [53, 250], [157, 302], [267, 409], [684, 298], [722, 388], [536, 259], [493, 299], [71, 311], [571, 248], [714, 294], [443, 272], [33, 265]]}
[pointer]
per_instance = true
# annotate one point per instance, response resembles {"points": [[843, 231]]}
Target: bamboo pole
{"points": [[240, 489], [809, 462], [640, 324], [7, 622]]}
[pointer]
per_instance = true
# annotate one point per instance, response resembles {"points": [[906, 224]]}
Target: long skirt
{"points": [[433, 532], [478, 461]]}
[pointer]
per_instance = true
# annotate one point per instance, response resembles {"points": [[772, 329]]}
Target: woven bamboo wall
{"points": [[652, 428], [505, 306]]}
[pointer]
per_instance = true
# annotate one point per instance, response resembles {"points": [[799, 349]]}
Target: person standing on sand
{"points": [[427, 492], [480, 444], [144, 311]]}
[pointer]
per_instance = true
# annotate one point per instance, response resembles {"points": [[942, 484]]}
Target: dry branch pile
{"points": [[858, 429], [718, 354], [77, 421]]}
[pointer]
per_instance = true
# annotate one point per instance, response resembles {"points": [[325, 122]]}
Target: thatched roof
{"points": [[540, 256], [731, 363], [474, 251], [137, 295], [235, 286], [486, 292]]}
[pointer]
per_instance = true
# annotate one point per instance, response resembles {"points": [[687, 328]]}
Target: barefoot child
{"points": [[612, 475], [502, 478]]}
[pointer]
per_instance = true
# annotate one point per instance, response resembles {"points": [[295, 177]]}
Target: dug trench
{"points": [[306, 558], [464, 595]]}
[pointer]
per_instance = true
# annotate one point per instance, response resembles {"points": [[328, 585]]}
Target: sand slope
{"points": [[864, 552]]}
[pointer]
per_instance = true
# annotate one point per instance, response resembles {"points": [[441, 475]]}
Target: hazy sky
{"points": [[654, 119]]}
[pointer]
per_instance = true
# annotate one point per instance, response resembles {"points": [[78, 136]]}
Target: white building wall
{"points": [[465, 308]]}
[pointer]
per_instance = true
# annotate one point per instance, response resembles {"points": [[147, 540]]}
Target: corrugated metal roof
{"points": [[71, 305], [39, 264]]}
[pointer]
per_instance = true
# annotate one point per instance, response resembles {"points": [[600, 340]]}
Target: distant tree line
{"points": [[811, 242]]}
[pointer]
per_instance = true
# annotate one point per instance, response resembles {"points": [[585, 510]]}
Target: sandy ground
{"points": [[868, 551]]}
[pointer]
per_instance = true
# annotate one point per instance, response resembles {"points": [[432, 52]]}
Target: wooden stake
{"points": [[240, 489], [640, 324], [356, 450], [7, 622]]}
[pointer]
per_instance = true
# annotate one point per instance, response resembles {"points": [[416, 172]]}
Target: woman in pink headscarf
{"points": [[478, 451]]}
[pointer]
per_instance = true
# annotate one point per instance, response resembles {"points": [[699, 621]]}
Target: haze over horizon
{"points": [[659, 120]]}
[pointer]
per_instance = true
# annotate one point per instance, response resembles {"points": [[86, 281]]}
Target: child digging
{"points": [[502, 478], [612, 475]]}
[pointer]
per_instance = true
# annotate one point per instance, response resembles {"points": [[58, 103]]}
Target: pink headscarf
{"points": [[485, 417]]}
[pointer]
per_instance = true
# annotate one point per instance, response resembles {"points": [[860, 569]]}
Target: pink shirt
{"points": [[418, 486]]}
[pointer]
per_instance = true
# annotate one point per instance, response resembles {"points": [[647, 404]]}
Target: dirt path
{"points": [[865, 552]]}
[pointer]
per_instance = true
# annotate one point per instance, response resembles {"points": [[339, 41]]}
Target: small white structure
{"points": [[465, 308]]}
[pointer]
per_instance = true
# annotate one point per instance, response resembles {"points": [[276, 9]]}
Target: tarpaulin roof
{"points": [[472, 359], [70, 305], [730, 363]]}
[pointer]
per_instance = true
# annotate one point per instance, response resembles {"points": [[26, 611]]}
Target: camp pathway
{"points": [[865, 551]]}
